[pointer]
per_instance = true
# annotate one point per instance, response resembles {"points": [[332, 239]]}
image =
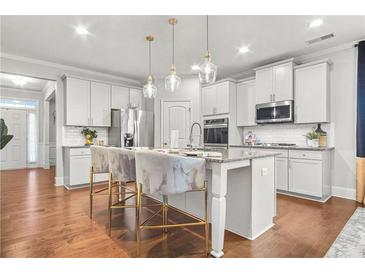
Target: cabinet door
{"points": [[281, 173], [246, 111], [222, 98], [311, 98], [264, 86], [209, 100], [120, 97], [283, 82], [79, 169], [77, 103], [305, 177], [100, 105], [135, 98]]}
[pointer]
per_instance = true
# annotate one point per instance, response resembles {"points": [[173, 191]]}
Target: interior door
{"points": [[14, 155], [175, 116]]}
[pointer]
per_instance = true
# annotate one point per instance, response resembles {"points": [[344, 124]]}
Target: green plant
{"points": [[312, 135], [88, 132], [5, 137]]}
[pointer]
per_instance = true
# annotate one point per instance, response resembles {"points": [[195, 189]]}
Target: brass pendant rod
{"points": [[207, 33]]}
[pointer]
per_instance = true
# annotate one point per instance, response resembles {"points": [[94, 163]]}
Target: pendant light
{"points": [[172, 81], [207, 70], [149, 89]]}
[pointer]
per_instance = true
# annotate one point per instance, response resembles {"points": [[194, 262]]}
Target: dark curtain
{"points": [[360, 125]]}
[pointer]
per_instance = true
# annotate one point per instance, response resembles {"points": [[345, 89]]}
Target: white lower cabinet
{"points": [[303, 172], [281, 173], [77, 167], [305, 177]]}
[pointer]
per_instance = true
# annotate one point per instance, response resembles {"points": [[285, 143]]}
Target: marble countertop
{"points": [[72, 146], [285, 147]]}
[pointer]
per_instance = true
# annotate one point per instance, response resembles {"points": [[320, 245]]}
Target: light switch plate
{"points": [[264, 171]]}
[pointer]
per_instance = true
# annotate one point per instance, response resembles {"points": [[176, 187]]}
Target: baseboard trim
{"points": [[58, 181], [344, 192]]}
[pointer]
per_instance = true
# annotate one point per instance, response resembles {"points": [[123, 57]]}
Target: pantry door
{"points": [[175, 115], [14, 154]]}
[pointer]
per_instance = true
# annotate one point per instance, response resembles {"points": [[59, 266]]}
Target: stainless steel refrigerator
{"points": [[131, 128]]}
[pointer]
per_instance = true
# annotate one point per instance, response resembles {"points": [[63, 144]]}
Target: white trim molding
{"points": [[344, 192], [58, 181]]}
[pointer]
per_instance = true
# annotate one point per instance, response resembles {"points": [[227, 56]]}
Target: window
{"points": [[32, 137]]}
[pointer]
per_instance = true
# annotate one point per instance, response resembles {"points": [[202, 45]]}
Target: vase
{"points": [[89, 140]]}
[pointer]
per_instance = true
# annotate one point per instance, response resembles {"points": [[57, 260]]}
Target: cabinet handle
{"points": [[273, 97], [270, 97]]}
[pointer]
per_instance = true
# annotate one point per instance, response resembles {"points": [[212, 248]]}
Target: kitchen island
{"points": [[242, 194]]}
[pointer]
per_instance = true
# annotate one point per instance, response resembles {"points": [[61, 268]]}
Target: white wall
{"points": [[47, 70], [189, 89]]}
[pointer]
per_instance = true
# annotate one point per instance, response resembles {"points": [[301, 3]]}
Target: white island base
{"points": [[242, 198]]}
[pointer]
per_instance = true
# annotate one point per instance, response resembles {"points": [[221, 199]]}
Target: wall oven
{"points": [[216, 133], [276, 112]]}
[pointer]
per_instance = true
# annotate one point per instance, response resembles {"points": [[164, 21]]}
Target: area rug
{"points": [[351, 241]]}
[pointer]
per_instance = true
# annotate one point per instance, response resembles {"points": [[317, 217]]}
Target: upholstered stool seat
{"points": [[122, 169], [169, 174]]}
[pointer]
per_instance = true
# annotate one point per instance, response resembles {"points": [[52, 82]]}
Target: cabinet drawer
{"points": [[305, 154], [80, 151], [283, 153]]}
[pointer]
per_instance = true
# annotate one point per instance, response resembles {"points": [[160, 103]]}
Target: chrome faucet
{"points": [[191, 134]]}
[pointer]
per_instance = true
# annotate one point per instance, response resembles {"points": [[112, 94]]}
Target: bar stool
{"points": [[168, 174], [99, 164], [122, 169]]}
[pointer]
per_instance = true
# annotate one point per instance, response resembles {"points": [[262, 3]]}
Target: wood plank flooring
{"points": [[41, 220]]}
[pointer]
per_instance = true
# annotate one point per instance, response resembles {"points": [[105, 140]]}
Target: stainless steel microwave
{"points": [[276, 112]]}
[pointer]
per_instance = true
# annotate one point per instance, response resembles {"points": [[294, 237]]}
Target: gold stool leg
{"points": [[206, 226], [164, 212], [138, 219], [91, 179], [110, 205]]}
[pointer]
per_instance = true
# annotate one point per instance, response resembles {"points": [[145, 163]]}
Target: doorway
{"points": [[175, 116], [22, 110]]}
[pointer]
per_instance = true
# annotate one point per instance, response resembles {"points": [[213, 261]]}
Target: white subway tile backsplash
{"points": [[288, 133], [72, 135]]}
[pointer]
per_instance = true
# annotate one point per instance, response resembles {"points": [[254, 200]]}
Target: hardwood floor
{"points": [[40, 220]]}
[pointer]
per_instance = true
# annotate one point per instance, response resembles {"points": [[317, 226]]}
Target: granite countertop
{"points": [[75, 146], [227, 155], [286, 147]]}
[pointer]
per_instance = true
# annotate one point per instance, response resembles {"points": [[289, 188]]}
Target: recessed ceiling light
{"points": [[195, 67], [316, 23], [244, 49], [82, 30]]}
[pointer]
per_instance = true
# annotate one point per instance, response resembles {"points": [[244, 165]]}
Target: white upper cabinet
{"points": [[120, 97], [100, 104], [77, 103], [245, 103], [222, 97], [312, 93], [283, 82], [215, 98], [264, 86], [274, 83], [135, 98]]}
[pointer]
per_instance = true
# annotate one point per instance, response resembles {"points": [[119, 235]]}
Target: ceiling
{"points": [[28, 83], [116, 44]]}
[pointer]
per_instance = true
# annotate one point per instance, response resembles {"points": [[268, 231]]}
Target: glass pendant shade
{"points": [[207, 71], [149, 89], [172, 81]]}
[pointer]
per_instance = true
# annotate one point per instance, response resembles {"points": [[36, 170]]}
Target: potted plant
{"points": [[89, 135], [312, 138], [5, 138]]}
